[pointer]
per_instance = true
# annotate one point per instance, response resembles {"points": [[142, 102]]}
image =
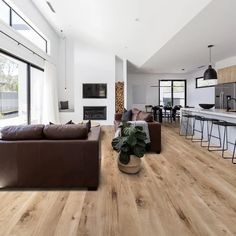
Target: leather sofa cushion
{"points": [[60, 132], [22, 132], [145, 116]]}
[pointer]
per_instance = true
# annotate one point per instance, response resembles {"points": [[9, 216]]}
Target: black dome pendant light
{"points": [[210, 73]]}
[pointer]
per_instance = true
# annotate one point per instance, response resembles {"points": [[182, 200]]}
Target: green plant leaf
{"points": [[141, 144], [139, 151], [116, 143], [141, 135], [132, 140], [124, 158]]}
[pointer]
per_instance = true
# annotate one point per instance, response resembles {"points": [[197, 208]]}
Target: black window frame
{"points": [[29, 65], [196, 84], [30, 26], [172, 89]]}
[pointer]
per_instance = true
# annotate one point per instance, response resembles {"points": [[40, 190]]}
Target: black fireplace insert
{"points": [[95, 113]]}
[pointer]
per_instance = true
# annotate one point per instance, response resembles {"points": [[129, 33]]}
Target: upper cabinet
{"points": [[227, 75]]}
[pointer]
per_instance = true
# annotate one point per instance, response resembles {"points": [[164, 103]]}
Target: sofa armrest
{"points": [[155, 136], [118, 116]]}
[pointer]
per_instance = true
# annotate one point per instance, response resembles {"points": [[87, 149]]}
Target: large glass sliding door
{"points": [[172, 92], [13, 91], [21, 91]]}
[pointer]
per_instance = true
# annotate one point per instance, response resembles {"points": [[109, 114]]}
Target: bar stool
{"points": [[234, 153], [202, 121], [188, 117], [223, 148], [201, 131]]}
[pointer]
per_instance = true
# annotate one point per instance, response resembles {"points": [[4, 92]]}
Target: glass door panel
{"points": [[165, 93], [13, 91], [179, 93], [172, 92]]}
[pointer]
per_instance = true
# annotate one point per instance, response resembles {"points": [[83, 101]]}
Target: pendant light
{"points": [[210, 73]]}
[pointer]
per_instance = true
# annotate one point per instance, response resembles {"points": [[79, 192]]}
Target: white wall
{"points": [[146, 86], [199, 95], [91, 65], [125, 76], [66, 71], [119, 67], [143, 83]]}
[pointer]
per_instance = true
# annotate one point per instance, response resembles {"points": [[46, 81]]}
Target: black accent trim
{"points": [[19, 58], [10, 23], [10, 17], [28, 94]]}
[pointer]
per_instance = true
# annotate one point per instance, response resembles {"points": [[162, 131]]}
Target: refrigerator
{"points": [[222, 92]]}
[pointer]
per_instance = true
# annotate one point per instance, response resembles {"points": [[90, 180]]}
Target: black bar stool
{"points": [[187, 117], [223, 148], [202, 121], [201, 131]]}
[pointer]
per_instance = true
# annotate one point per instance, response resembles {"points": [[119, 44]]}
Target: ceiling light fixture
{"points": [[210, 73], [51, 7]]}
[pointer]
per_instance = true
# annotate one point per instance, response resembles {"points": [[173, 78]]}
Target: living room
{"points": [[117, 117]]}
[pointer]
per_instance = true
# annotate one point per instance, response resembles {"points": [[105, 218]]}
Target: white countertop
{"points": [[215, 112]]}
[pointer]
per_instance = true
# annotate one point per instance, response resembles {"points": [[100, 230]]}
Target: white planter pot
{"points": [[132, 167]]}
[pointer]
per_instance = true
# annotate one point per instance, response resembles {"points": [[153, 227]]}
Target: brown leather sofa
{"points": [[43, 162], [153, 126]]}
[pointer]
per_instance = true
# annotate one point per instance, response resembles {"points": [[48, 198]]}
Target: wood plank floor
{"points": [[183, 191]]}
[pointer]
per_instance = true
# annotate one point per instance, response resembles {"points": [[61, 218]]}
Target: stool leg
{"points": [[186, 134], [202, 130], [194, 123], [224, 139], [208, 134], [209, 142], [234, 153], [219, 135], [217, 148]]}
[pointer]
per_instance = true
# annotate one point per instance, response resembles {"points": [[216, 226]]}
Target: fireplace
{"points": [[95, 113]]}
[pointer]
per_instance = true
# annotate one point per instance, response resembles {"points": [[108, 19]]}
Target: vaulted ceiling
{"points": [[215, 24], [132, 29]]}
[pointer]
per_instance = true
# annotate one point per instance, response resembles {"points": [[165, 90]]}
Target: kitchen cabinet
{"points": [[227, 75]]}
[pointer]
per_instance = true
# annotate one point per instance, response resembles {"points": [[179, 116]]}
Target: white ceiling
{"points": [[216, 25], [132, 29]]}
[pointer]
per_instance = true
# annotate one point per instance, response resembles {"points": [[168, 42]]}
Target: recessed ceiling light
{"points": [[136, 19], [183, 69], [51, 7]]}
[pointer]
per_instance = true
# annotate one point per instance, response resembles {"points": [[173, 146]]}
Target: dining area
{"points": [[166, 113]]}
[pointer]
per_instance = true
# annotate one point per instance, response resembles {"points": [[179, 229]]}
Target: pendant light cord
{"points": [[65, 64], [210, 54]]}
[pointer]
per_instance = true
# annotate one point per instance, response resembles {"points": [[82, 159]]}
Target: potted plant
{"points": [[131, 147]]}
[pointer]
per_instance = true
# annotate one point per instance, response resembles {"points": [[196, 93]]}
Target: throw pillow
{"points": [[145, 116], [127, 116], [64, 105], [88, 125], [135, 113], [70, 122]]}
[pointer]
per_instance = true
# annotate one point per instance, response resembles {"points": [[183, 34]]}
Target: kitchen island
{"points": [[220, 114]]}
